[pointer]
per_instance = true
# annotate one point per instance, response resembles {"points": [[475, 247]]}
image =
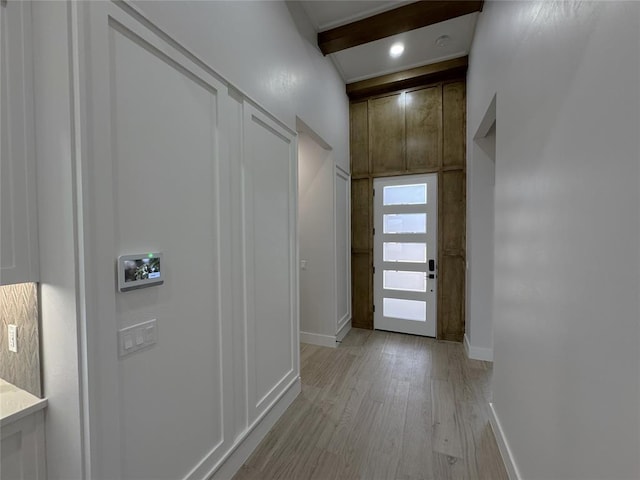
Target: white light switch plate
{"points": [[137, 337], [12, 331]]}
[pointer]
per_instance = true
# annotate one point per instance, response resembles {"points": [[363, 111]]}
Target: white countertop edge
{"points": [[15, 416]]}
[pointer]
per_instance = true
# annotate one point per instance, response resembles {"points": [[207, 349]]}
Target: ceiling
{"points": [[372, 59]]}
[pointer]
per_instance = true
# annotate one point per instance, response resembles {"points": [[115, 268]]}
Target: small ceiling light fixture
{"points": [[443, 41], [396, 49]]}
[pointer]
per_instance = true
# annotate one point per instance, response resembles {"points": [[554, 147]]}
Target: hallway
{"points": [[383, 406]]}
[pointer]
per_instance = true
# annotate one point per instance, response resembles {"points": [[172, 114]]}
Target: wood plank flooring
{"points": [[383, 406]]}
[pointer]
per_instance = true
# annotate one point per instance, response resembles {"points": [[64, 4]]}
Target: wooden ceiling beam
{"points": [[399, 20], [414, 77]]}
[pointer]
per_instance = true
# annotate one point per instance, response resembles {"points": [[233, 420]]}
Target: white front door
{"points": [[405, 252]]}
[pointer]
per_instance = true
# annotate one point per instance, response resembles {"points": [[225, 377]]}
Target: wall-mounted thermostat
{"points": [[139, 271]]}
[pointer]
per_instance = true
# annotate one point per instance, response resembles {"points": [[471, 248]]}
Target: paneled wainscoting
{"points": [[384, 406]]}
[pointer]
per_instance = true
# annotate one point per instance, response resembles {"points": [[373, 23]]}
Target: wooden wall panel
{"points": [[453, 211], [359, 138], [361, 204], [361, 300], [406, 133], [454, 108], [424, 128], [387, 134], [451, 298]]}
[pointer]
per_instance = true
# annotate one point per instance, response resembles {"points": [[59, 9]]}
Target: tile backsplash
{"points": [[19, 306]]}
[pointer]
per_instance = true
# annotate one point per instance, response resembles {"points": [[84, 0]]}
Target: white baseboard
{"points": [[318, 339], [247, 443], [343, 331], [477, 353], [503, 446]]}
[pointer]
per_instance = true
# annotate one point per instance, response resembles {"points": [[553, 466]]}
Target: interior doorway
{"points": [[405, 253]]}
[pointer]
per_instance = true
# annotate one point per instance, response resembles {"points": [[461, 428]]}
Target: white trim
{"points": [[345, 174], [488, 120], [477, 353], [160, 30], [346, 319], [338, 172], [302, 127], [318, 339], [503, 445], [342, 332], [246, 443]]}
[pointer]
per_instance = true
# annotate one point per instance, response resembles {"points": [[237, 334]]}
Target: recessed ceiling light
{"points": [[396, 49], [443, 40]]}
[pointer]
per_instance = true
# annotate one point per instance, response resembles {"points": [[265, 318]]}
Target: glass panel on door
{"points": [[404, 252], [410, 281], [405, 309], [405, 223], [405, 194]]}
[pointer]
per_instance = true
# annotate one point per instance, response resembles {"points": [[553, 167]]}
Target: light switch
{"points": [[137, 337], [13, 338]]}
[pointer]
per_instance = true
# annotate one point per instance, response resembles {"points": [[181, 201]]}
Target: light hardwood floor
{"points": [[383, 406]]}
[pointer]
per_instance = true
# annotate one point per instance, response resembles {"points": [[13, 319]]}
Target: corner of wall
{"points": [[477, 353]]}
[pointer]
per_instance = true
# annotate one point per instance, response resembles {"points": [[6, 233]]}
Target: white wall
{"points": [[325, 246], [168, 161], [56, 163], [317, 243], [342, 208], [566, 331], [256, 46], [480, 204]]}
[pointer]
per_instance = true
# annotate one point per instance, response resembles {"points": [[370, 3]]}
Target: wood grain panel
{"points": [[454, 123], [453, 211], [361, 203], [446, 437], [387, 134], [369, 409], [424, 128], [361, 279], [451, 298], [359, 138], [408, 133], [448, 70], [399, 20]]}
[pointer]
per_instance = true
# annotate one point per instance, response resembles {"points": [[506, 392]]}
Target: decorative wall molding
{"points": [[247, 442]]}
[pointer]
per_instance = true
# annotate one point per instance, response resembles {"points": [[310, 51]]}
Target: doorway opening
{"points": [[324, 242]]}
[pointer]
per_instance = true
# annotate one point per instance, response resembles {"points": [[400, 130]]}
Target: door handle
{"points": [[431, 275], [432, 265]]}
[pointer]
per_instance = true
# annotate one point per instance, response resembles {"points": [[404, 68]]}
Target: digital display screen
{"points": [[141, 269]]}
